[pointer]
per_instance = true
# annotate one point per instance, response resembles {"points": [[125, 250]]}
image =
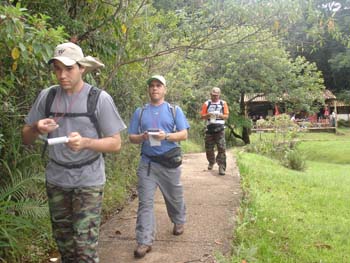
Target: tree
{"points": [[322, 36], [260, 65]]}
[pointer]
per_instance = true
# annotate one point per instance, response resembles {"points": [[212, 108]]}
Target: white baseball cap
{"points": [[156, 77]]}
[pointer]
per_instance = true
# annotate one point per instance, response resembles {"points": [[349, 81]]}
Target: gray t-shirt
{"points": [[109, 122]]}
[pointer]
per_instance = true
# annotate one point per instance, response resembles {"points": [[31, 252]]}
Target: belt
{"points": [[76, 165]]}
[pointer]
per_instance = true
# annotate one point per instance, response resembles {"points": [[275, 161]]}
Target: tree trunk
{"points": [[245, 130]]}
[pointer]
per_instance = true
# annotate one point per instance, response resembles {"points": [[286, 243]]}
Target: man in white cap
{"points": [[89, 123], [215, 111], [158, 126]]}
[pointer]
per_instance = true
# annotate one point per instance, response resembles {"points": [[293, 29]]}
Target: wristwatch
{"points": [[167, 136]]}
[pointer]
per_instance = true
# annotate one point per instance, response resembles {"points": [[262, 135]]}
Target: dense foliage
{"points": [[241, 46]]}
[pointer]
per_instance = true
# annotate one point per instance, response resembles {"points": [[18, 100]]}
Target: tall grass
{"points": [[121, 178], [290, 216]]}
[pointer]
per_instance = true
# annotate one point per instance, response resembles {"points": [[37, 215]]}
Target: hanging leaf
{"points": [[15, 53], [276, 25], [331, 24], [124, 28], [14, 66]]}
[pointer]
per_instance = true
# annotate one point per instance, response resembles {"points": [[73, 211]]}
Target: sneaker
{"points": [[141, 250], [210, 166], [178, 229], [221, 170]]}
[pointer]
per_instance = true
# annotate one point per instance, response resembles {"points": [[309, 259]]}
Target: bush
{"points": [[343, 123], [294, 160], [280, 145], [197, 132]]}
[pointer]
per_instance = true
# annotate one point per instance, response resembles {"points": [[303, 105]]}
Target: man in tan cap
{"points": [[215, 111], [78, 123]]}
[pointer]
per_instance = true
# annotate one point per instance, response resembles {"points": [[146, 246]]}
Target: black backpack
{"points": [[221, 103], [94, 94]]}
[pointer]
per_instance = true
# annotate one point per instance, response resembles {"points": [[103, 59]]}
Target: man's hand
{"points": [[45, 126], [76, 141], [31, 132]]}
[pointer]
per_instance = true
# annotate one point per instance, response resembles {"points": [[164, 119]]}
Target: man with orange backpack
{"points": [[215, 111]]}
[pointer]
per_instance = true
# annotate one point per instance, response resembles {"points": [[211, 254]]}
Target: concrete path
{"points": [[212, 202]]}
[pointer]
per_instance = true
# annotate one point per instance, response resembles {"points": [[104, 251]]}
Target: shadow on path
{"points": [[212, 202]]}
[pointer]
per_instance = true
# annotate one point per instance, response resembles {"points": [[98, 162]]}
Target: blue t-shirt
{"points": [[157, 117]]}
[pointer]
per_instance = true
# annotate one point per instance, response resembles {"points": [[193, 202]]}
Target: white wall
{"points": [[343, 117]]}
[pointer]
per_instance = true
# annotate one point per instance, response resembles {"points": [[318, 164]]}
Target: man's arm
{"points": [[175, 136], [104, 145], [225, 113], [172, 137], [204, 112], [138, 138], [31, 132]]}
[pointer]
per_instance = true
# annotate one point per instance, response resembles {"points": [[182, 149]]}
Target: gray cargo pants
{"points": [[150, 176]]}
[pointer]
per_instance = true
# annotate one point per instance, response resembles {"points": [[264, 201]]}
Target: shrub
{"points": [[197, 131], [281, 145], [294, 159], [343, 123]]}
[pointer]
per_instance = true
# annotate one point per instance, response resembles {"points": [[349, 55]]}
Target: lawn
{"points": [[290, 216]]}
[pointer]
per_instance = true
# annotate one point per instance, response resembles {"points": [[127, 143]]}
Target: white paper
{"points": [[153, 133], [152, 140], [57, 140], [213, 116]]}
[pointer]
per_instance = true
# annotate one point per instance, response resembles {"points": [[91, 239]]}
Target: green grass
{"points": [[189, 146], [327, 151], [290, 216]]}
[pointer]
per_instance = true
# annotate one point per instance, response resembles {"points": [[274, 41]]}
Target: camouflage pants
{"points": [[217, 139], [75, 218]]}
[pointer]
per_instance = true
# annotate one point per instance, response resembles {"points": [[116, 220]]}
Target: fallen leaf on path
{"points": [[218, 242]]}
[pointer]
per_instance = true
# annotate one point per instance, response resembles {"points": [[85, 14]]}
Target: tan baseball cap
{"points": [[156, 77], [70, 53]]}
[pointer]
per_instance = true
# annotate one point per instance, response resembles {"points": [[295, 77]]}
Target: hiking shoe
{"points": [[141, 250], [210, 166], [178, 229], [221, 170]]}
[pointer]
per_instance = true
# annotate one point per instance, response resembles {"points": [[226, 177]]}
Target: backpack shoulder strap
{"points": [[94, 94], [49, 100], [221, 103], [140, 116], [208, 104], [222, 106], [48, 103], [173, 112]]}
